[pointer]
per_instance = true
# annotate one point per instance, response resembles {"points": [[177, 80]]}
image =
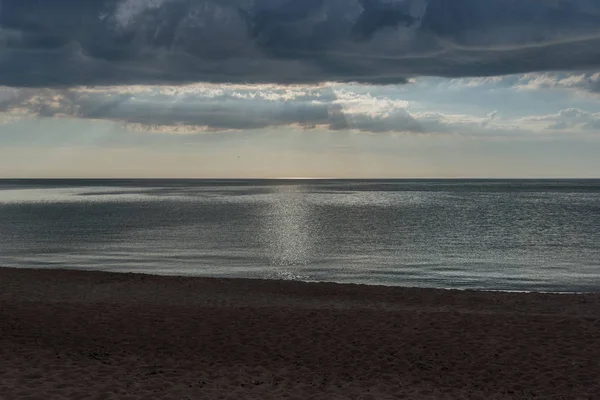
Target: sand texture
{"points": [[94, 335]]}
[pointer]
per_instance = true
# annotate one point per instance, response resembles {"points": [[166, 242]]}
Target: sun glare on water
{"points": [[301, 177]]}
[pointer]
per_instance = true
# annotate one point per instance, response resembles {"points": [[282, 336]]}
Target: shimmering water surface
{"points": [[497, 235]]}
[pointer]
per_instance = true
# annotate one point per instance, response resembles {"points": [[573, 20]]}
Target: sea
{"points": [[508, 235]]}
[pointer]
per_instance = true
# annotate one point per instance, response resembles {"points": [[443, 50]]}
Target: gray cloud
{"points": [[219, 108], [202, 109], [116, 42]]}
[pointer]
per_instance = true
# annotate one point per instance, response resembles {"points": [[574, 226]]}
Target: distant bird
{"points": [[377, 15]]}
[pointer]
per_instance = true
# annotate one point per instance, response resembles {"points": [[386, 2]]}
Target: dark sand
{"points": [[93, 335]]}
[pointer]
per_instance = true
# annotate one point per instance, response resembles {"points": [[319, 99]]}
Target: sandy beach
{"points": [[95, 335]]}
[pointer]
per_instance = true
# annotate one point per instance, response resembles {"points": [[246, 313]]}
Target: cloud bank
{"points": [[213, 108], [64, 43], [220, 108]]}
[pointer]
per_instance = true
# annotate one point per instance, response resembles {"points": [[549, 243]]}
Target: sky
{"points": [[290, 88]]}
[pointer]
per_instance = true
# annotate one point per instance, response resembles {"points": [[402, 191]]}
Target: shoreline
{"points": [[104, 335], [262, 279]]}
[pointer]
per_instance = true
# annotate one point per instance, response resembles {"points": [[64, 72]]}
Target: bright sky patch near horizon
{"points": [[283, 88]]}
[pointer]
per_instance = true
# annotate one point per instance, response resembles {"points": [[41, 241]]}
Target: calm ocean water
{"points": [[496, 235]]}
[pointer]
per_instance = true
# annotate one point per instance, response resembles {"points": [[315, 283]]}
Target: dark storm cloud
{"points": [[111, 42], [377, 15]]}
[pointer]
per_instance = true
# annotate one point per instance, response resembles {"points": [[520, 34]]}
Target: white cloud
{"points": [[568, 119], [583, 82]]}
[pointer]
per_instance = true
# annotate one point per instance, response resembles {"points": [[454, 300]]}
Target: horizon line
{"points": [[288, 178]]}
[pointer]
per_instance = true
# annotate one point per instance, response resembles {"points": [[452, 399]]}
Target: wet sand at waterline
{"points": [[94, 335]]}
